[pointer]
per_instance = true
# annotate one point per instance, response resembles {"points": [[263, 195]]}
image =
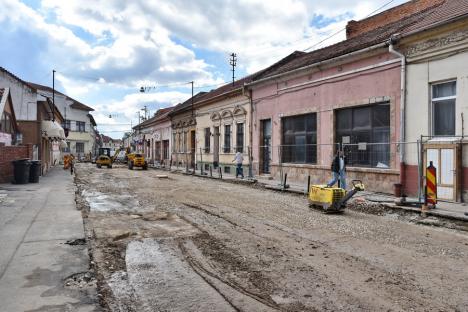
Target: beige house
{"points": [[436, 104], [223, 127], [183, 125]]}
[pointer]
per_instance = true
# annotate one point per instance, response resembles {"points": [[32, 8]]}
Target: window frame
{"points": [[372, 131], [240, 137], [293, 153], [207, 134], [227, 139], [441, 99]]}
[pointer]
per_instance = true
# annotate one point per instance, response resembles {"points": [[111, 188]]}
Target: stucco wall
{"points": [[348, 85], [211, 115], [419, 79], [23, 97]]}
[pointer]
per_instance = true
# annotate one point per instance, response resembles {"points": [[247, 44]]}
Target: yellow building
{"points": [[223, 123]]}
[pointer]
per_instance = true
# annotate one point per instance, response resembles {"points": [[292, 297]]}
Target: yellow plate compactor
{"points": [[332, 199]]}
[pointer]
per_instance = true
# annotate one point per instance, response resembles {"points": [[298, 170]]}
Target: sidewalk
{"points": [[444, 209], [37, 266]]}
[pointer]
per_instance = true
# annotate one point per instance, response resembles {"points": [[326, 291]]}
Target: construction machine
{"points": [[332, 199], [105, 158], [137, 160]]}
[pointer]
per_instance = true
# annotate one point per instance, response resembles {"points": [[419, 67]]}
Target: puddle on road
{"points": [[100, 202]]}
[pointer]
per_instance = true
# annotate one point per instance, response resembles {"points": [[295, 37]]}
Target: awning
{"points": [[52, 130]]}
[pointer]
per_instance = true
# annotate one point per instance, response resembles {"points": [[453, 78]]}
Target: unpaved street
{"points": [[185, 243]]}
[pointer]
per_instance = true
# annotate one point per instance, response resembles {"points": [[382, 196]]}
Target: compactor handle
{"points": [[357, 185]]}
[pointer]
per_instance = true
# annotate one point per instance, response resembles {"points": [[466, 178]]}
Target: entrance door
{"points": [[265, 148], [444, 158], [193, 148], [216, 147]]}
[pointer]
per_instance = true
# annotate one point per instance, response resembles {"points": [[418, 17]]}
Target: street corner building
{"points": [[391, 96]]}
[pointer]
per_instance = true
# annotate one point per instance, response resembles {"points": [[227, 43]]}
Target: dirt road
{"points": [[184, 243]]}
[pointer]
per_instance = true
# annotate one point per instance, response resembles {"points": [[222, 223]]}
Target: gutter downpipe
{"points": [[392, 50]]}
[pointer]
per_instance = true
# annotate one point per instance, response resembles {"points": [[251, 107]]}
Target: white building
{"points": [[81, 138]]}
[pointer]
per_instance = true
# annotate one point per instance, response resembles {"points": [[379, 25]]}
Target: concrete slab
{"points": [[152, 264], [35, 262]]}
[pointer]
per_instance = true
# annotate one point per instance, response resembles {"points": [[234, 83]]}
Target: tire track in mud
{"points": [[198, 267], [332, 256]]}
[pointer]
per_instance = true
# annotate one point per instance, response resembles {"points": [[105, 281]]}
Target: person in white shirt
{"points": [[238, 158]]}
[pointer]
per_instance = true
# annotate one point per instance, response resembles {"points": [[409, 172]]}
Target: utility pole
{"points": [[53, 95], [145, 109], [233, 62]]}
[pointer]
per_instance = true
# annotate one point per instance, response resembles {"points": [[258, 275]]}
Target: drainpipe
{"points": [[392, 50]]}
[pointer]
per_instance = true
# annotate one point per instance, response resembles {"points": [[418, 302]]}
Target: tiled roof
{"points": [[373, 37], [181, 107], [15, 77], [76, 104], [447, 11]]}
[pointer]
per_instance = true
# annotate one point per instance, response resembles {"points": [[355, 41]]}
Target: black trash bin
{"points": [[21, 170], [34, 171]]}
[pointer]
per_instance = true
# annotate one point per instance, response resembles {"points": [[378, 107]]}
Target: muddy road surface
{"points": [[185, 243]]}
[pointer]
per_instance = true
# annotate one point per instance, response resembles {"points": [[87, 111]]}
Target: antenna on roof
{"points": [[233, 62]]}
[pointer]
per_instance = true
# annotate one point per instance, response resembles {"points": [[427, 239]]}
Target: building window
{"points": [[227, 169], [79, 147], [240, 137], [185, 142], [443, 108], [227, 139], [166, 149], [80, 126], [174, 142], [299, 137], [207, 140], [66, 124], [6, 123], [365, 134]]}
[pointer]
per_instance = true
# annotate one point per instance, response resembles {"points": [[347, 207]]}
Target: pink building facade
{"points": [[302, 116]]}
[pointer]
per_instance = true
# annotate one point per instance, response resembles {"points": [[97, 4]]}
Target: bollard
{"points": [[285, 179], [308, 185], [211, 172], [220, 173], [431, 185]]}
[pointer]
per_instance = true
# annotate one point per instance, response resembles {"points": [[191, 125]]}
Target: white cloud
{"points": [[125, 44]]}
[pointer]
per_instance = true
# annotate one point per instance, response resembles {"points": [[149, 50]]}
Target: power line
{"points": [[339, 31]]}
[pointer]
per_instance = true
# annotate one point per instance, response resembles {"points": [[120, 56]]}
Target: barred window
{"points": [[227, 139], [207, 140], [240, 137], [365, 134], [299, 137]]}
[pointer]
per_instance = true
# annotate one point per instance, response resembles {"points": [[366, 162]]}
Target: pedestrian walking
{"points": [[338, 169], [238, 158], [72, 163]]}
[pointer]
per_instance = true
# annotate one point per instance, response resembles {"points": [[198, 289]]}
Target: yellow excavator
{"points": [[105, 158]]}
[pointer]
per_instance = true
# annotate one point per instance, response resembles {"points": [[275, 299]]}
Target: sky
{"points": [[104, 51]]}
